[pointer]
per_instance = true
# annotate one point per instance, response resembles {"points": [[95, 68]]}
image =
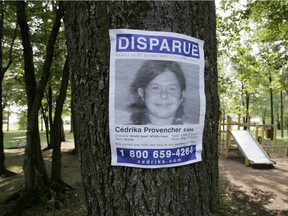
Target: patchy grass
{"points": [[10, 135]]}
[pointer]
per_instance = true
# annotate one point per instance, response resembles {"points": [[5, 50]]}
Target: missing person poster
{"points": [[156, 98]]}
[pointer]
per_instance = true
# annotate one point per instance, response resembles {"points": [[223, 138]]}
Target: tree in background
{"points": [[186, 190], [3, 170], [57, 129], [37, 182], [259, 28], [271, 35]]}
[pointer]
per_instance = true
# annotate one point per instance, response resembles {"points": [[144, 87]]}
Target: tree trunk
{"points": [[2, 155], [247, 116], [33, 157], [271, 105], [281, 115], [75, 150], [34, 166], [185, 190], [50, 110], [57, 127], [37, 184], [62, 137], [271, 100], [47, 128], [3, 171], [71, 122], [8, 122]]}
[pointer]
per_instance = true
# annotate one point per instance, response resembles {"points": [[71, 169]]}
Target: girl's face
{"points": [[162, 98]]}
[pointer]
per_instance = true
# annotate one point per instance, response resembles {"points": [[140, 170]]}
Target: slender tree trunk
{"points": [[281, 114], [247, 97], [8, 122], [186, 190], [62, 137], [47, 128], [271, 107], [75, 150], [71, 122], [50, 109], [2, 155], [3, 171], [271, 100], [264, 117], [56, 130], [37, 183], [33, 157]]}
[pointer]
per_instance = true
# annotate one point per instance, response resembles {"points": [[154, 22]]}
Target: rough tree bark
{"points": [[186, 190]]}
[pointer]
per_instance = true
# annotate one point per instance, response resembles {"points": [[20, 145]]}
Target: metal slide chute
{"points": [[250, 148]]}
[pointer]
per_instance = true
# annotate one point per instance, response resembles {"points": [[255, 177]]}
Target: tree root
{"points": [[6, 173], [47, 148], [60, 186], [73, 152], [48, 194], [24, 199]]}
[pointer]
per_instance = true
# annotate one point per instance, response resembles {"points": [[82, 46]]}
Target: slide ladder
{"points": [[250, 148]]}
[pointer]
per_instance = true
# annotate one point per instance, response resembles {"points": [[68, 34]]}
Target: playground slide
{"points": [[250, 148]]}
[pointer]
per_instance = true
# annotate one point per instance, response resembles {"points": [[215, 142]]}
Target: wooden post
{"points": [[247, 162], [256, 132], [274, 136], [228, 136], [268, 151], [219, 136], [239, 119], [263, 135]]}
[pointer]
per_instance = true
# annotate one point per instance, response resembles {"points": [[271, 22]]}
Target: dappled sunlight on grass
{"points": [[263, 189], [72, 202], [10, 135], [11, 185], [16, 169]]}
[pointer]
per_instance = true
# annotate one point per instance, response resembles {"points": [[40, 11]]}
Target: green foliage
{"points": [[23, 121], [40, 19], [252, 40]]}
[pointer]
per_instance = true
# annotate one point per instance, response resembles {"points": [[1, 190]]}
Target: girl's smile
{"points": [[162, 98]]}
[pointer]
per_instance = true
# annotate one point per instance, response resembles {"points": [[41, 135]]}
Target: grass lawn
{"points": [[13, 132]]}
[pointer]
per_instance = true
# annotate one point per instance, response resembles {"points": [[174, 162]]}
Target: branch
{"points": [[10, 51], [47, 64]]}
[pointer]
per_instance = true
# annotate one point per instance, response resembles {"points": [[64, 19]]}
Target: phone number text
{"points": [[156, 156]]}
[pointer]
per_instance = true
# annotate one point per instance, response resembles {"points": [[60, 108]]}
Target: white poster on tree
{"points": [[156, 98]]}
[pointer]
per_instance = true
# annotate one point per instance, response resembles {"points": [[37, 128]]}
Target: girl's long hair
{"points": [[147, 72]]}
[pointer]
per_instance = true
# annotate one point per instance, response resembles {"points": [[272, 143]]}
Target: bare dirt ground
{"points": [[253, 190], [244, 191], [71, 203]]}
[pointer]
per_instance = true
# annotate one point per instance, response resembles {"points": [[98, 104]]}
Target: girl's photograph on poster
{"points": [[156, 92]]}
